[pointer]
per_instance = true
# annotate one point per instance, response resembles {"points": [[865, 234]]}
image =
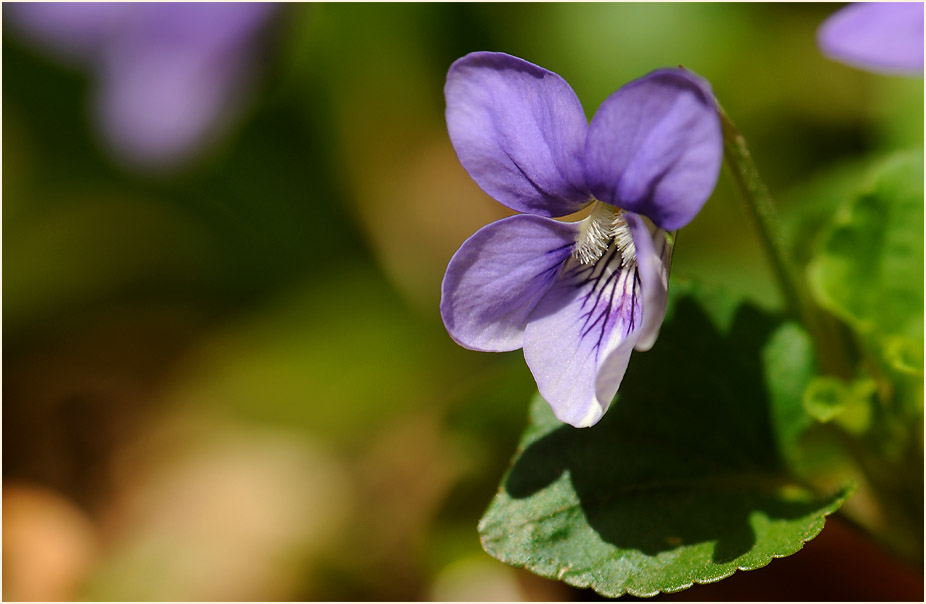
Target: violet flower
{"points": [[578, 297], [168, 76], [881, 37]]}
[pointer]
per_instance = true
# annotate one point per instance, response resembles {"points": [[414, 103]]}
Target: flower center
{"points": [[605, 226]]}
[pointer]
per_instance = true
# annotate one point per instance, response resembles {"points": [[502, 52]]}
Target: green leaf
{"points": [[904, 354], [788, 352], [809, 207], [825, 398], [869, 267], [683, 481], [828, 397]]}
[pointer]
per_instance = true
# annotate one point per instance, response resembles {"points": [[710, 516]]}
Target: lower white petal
{"points": [[580, 335]]}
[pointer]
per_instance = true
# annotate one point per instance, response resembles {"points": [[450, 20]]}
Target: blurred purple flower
{"points": [[882, 37], [578, 297], [169, 76]]}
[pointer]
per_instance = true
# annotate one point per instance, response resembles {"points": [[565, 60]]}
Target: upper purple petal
{"points": [[519, 130], [580, 336], [654, 258], [497, 276], [883, 37], [655, 147]]}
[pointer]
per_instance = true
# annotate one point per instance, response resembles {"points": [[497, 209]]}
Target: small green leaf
{"points": [[683, 481], [904, 354], [789, 351], [869, 267], [826, 398], [829, 397]]}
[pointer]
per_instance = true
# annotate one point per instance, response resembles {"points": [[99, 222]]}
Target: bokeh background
{"points": [[224, 372]]}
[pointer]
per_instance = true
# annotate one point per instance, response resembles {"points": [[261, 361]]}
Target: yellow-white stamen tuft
{"points": [[604, 226]]}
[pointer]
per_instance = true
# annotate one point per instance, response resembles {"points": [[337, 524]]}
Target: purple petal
{"points": [[655, 147], [75, 31], [882, 37], [579, 338], [497, 276], [519, 130], [157, 108], [197, 27], [174, 76], [654, 259]]}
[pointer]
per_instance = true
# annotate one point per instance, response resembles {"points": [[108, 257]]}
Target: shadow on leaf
{"points": [[686, 454]]}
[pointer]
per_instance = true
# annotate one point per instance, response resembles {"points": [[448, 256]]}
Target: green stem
{"points": [[832, 346], [761, 209]]}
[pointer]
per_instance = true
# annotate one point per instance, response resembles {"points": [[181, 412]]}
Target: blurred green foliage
{"points": [[875, 245]]}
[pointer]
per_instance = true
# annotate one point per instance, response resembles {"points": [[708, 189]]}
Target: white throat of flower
{"points": [[604, 226]]}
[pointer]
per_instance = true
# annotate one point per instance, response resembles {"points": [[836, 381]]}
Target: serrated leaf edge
{"points": [[580, 582]]}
